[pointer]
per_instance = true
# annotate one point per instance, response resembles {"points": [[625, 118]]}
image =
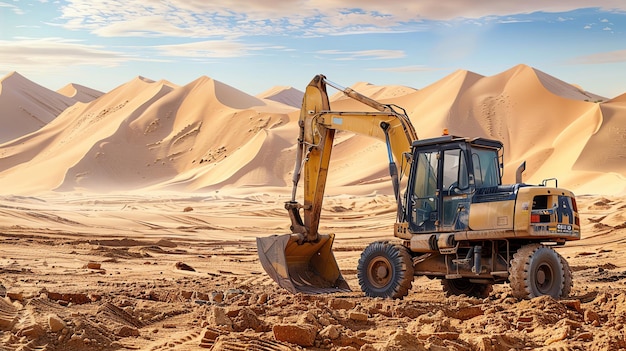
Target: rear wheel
{"points": [[464, 286], [568, 280], [385, 270], [537, 270]]}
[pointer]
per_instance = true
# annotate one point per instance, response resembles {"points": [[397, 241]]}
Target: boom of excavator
{"points": [[455, 220]]}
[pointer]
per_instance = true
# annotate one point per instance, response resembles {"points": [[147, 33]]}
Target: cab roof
{"points": [[446, 139]]}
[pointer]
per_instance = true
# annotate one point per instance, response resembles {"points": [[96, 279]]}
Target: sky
{"points": [[255, 45]]}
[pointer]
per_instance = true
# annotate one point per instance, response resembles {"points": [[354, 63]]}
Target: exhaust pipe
{"points": [[518, 173]]}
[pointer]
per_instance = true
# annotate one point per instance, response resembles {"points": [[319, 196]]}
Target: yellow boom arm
{"points": [[318, 124]]}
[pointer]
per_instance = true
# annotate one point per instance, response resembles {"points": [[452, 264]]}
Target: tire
{"points": [[568, 278], [464, 286], [385, 270], [537, 270]]}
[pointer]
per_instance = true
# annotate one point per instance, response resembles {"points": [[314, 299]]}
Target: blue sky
{"points": [[255, 45]]}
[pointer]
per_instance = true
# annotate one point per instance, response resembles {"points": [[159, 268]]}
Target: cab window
{"points": [[455, 176], [486, 168]]}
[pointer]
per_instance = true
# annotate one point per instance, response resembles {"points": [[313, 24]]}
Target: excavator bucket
{"points": [[308, 268]]}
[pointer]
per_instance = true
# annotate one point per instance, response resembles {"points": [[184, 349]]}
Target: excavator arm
{"points": [[303, 261], [318, 124]]}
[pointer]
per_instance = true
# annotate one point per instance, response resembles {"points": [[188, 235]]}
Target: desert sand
{"points": [[128, 219]]}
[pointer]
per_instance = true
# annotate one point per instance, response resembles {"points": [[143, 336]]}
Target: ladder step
{"points": [[461, 262]]}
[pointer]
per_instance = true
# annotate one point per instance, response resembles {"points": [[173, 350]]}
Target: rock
{"points": [[232, 293], [568, 322], [32, 331], [465, 313], [584, 336], [184, 267], [15, 296], [331, 332], [303, 334], [358, 316], [324, 321], [558, 335], [572, 304], [591, 316], [233, 311], [218, 317], [217, 297], [76, 298], [125, 331], [93, 265], [262, 299], [408, 311], [56, 324], [209, 334], [308, 317], [247, 319], [341, 304], [188, 209], [403, 341], [440, 335]]}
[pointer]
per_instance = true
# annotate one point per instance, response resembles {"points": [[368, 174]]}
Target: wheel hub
{"points": [[380, 272], [541, 277], [544, 278]]}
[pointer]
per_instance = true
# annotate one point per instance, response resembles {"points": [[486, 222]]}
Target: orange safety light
{"points": [[445, 131]]}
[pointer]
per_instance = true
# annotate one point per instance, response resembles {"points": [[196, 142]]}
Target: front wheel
{"points": [[385, 270], [537, 270]]}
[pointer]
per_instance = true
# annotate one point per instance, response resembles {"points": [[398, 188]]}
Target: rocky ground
{"points": [[66, 289]]}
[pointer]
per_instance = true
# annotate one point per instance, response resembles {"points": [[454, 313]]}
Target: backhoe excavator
{"points": [[455, 222]]}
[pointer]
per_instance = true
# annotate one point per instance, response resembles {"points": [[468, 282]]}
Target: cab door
{"points": [[423, 204], [455, 189], [439, 190]]}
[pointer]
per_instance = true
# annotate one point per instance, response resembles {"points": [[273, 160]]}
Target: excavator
{"points": [[455, 219]]}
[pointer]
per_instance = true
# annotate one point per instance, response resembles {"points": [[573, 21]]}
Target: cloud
{"points": [[208, 49], [363, 54], [406, 69], [15, 9], [26, 53], [602, 57], [235, 18]]}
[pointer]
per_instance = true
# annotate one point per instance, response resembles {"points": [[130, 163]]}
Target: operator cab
{"points": [[447, 172]]}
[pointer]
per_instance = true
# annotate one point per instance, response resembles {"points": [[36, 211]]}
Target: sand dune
{"points": [[79, 92], [286, 95], [534, 123], [26, 106], [209, 135], [141, 133]]}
